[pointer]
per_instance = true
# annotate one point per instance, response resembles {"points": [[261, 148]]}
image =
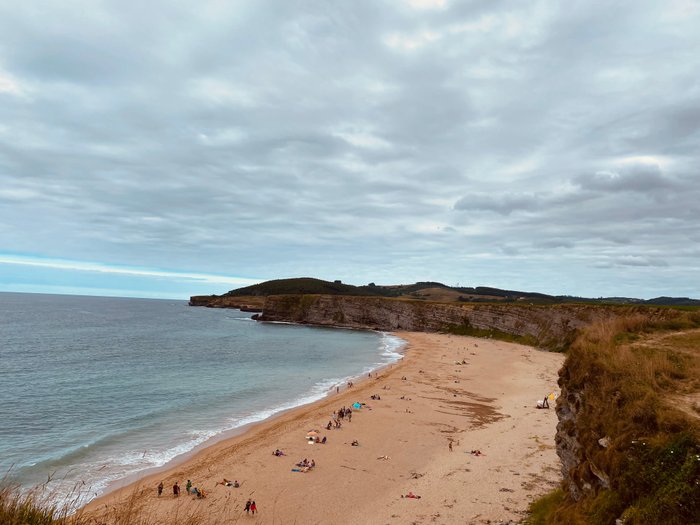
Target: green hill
{"points": [[435, 291]]}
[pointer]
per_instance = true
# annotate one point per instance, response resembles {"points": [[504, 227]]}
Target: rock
{"points": [[604, 442], [552, 327]]}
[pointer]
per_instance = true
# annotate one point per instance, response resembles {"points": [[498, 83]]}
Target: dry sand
{"points": [[486, 404]]}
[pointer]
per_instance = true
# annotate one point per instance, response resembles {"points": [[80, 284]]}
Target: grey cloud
{"points": [[503, 204], [366, 138], [639, 178]]}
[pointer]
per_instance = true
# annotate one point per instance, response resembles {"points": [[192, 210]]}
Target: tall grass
{"points": [[33, 507], [625, 374]]}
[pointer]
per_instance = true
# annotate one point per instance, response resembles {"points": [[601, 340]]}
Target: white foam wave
{"points": [[114, 468]]}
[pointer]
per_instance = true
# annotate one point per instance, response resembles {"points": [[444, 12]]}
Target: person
{"points": [[176, 490], [195, 492], [160, 488], [188, 487], [355, 443], [323, 441], [253, 508], [329, 426], [247, 506], [236, 484], [313, 463], [450, 445]]}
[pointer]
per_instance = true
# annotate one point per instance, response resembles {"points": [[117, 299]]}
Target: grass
{"points": [[468, 330], [541, 509], [33, 508], [627, 374]]}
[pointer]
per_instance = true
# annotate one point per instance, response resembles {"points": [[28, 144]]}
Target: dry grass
{"points": [[629, 373], [35, 507]]}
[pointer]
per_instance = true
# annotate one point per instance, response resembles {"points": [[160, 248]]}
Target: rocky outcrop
{"points": [[245, 304], [551, 327]]}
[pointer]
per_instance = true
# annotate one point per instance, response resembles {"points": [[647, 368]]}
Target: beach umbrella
{"points": [[311, 433], [356, 405]]}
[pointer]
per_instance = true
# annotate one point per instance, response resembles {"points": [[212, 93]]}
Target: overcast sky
{"points": [[173, 148]]}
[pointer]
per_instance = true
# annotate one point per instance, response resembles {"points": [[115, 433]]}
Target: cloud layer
{"points": [[537, 145]]}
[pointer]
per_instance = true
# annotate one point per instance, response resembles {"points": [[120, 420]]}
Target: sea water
{"points": [[93, 389]]}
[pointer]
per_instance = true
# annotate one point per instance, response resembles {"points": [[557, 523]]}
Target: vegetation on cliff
{"points": [[632, 384], [303, 285], [426, 291]]}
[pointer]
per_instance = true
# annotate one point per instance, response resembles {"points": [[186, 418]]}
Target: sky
{"points": [[168, 149]]}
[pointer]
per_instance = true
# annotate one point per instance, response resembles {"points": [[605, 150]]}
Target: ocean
{"points": [[94, 389]]}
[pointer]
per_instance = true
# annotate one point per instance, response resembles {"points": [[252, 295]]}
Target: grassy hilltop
{"points": [[423, 291]]}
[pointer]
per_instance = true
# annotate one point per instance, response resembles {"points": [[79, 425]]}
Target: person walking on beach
{"points": [[188, 487], [160, 488], [253, 508], [247, 506], [176, 490]]}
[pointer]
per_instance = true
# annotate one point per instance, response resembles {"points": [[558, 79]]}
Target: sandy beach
{"points": [[427, 402]]}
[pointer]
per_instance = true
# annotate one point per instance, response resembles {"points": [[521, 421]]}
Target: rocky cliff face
{"points": [[551, 327], [244, 303]]}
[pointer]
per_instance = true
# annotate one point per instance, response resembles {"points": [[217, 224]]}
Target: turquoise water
{"points": [[93, 389]]}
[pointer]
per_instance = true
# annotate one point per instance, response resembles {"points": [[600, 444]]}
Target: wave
{"points": [[99, 463]]}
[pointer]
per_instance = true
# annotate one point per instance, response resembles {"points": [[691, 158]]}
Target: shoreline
{"points": [[350, 484], [229, 434]]}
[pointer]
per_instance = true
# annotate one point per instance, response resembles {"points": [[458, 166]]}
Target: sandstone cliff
{"points": [[551, 327], [243, 303]]}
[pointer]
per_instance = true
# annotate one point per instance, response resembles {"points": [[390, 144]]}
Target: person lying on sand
{"points": [[410, 495], [355, 443], [229, 483], [278, 452], [477, 453]]}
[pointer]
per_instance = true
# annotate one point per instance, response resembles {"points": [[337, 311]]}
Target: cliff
{"points": [[552, 327], [245, 304], [628, 435]]}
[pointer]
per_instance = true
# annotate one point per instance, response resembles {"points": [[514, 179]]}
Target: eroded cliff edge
{"points": [[552, 327]]}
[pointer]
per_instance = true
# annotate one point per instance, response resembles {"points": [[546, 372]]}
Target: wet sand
{"points": [[486, 404]]}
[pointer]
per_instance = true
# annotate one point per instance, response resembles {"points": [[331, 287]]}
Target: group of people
{"points": [[250, 506], [305, 465], [339, 415], [188, 488]]}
